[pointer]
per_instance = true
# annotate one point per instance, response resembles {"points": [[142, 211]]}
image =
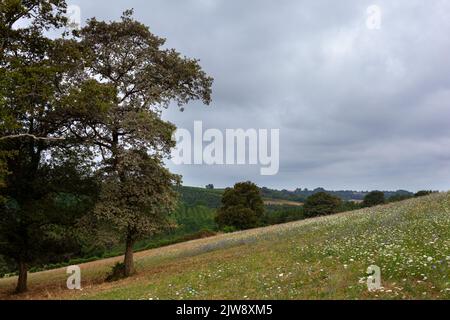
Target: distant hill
{"points": [[300, 195], [193, 196]]}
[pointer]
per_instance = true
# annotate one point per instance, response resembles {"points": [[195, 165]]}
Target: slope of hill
{"points": [[192, 196], [211, 197], [319, 258]]}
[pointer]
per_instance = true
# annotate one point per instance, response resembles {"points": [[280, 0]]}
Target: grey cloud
{"points": [[357, 108]]}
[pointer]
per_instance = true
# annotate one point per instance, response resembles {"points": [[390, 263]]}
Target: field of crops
{"points": [[322, 258]]}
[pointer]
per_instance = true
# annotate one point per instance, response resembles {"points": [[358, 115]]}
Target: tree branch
{"points": [[27, 135]]}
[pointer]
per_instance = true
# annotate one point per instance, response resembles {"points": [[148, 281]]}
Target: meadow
{"points": [[320, 258], [194, 218]]}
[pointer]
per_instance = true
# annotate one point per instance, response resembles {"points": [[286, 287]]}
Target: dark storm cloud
{"points": [[357, 108]]}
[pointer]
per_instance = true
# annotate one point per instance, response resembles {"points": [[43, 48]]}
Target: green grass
{"points": [[323, 258]]}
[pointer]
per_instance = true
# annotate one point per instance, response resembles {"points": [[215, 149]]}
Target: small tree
{"points": [[210, 186], [138, 202], [321, 204], [374, 198], [242, 207]]}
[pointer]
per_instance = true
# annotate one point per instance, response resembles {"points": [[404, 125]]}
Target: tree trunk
{"points": [[129, 263], [23, 275]]}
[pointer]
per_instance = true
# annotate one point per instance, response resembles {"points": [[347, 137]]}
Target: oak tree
{"points": [[242, 207], [321, 204], [44, 180], [139, 78]]}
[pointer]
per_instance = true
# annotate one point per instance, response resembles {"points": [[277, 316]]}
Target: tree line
{"points": [[242, 207], [82, 142]]}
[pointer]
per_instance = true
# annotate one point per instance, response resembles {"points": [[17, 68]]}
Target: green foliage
{"points": [[423, 193], [5, 266], [95, 96], [282, 195], [242, 207], [374, 198], [193, 219], [136, 77], [399, 197], [192, 223], [191, 196], [349, 206], [282, 214], [59, 197], [300, 195], [138, 202], [229, 229], [286, 213], [238, 217], [44, 187], [321, 204], [117, 272]]}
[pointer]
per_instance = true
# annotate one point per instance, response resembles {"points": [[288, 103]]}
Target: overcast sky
{"points": [[357, 108]]}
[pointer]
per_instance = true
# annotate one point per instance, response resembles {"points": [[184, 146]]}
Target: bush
{"points": [[117, 272], [198, 235], [321, 204], [228, 229], [238, 217], [374, 198], [349, 206], [242, 207], [276, 214], [6, 266]]}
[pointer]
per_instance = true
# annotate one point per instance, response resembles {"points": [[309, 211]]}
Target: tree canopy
{"points": [[374, 198], [321, 204], [134, 77], [242, 207], [81, 114]]}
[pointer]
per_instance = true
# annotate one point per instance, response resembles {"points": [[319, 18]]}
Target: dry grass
{"points": [[276, 202]]}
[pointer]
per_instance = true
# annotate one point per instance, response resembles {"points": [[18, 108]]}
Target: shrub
{"points": [[374, 198], [238, 217], [349, 206], [321, 204], [228, 229], [117, 272]]}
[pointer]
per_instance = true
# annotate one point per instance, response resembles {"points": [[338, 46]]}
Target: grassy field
{"points": [[277, 202], [322, 258]]}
